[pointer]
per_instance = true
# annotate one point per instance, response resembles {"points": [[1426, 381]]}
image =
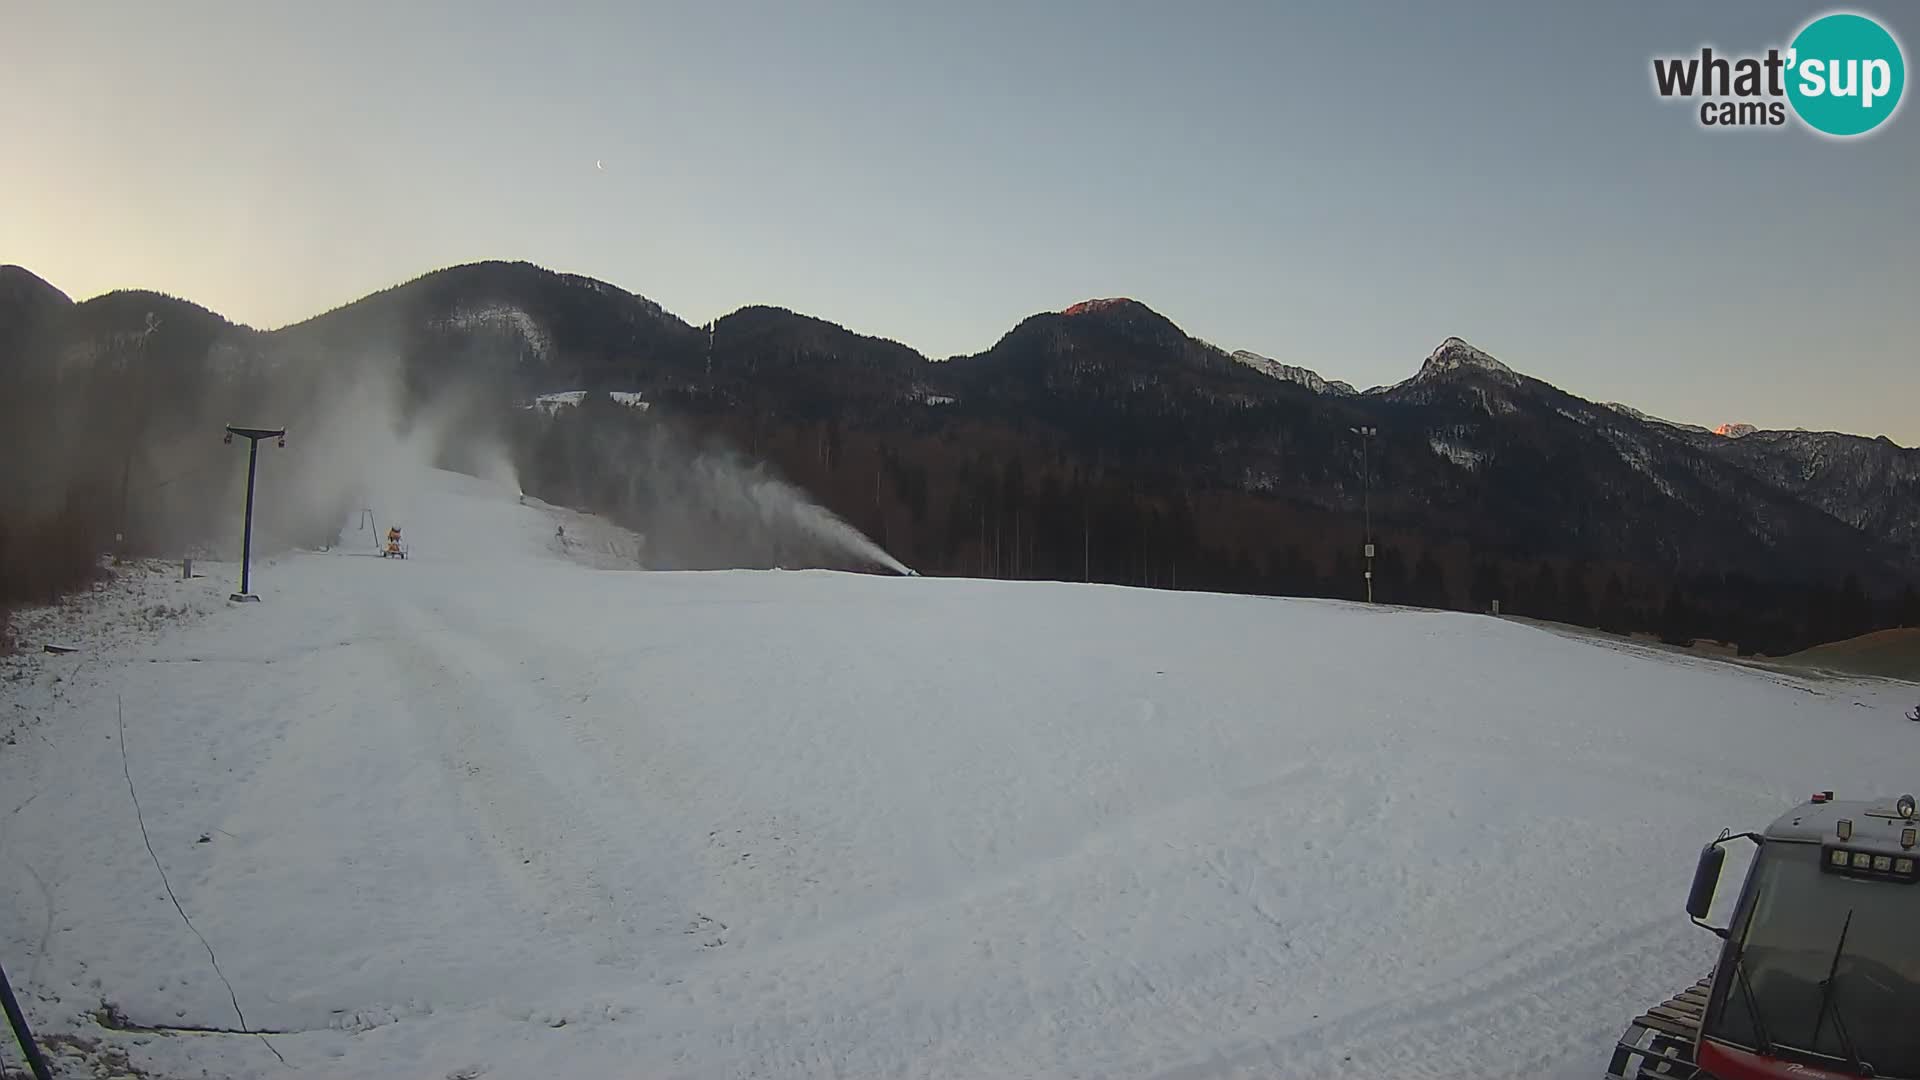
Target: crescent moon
{"points": [[601, 165]]}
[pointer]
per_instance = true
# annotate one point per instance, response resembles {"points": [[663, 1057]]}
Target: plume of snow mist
{"points": [[779, 512], [702, 507], [356, 440], [342, 422], [459, 428]]}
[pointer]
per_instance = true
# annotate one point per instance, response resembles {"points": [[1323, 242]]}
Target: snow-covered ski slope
{"points": [[496, 812]]}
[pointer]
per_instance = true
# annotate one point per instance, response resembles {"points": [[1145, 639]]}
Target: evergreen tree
{"points": [[1577, 606], [1676, 618], [1488, 585], [1544, 598], [1614, 615], [1429, 587], [1390, 576], [1906, 608], [1821, 622], [1853, 612]]}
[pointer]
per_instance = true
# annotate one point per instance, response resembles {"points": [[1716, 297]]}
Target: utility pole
{"points": [[253, 437], [1367, 435]]}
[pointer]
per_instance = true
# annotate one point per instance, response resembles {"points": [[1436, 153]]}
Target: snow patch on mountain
{"points": [[554, 402], [1649, 418], [1289, 373], [1252, 479], [1495, 404], [503, 317], [569, 399], [921, 394], [1454, 354], [652, 309], [1871, 484], [596, 285], [1449, 357], [1418, 391], [1639, 459], [1464, 456]]}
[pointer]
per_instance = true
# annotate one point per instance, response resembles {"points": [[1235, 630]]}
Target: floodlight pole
{"points": [[253, 437], [1367, 435]]}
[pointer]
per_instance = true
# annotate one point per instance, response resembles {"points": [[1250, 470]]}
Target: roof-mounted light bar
{"points": [[1869, 864]]}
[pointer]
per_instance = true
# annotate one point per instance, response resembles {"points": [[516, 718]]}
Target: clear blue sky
{"points": [[1338, 186]]}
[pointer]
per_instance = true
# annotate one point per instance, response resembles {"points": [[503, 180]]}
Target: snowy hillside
{"points": [[496, 812], [1290, 373], [1648, 418]]}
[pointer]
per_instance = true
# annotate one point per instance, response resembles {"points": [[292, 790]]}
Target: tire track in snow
{"points": [[541, 799], [1491, 1017]]}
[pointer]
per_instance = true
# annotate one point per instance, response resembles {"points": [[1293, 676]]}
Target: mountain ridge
{"points": [[1451, 354], [1244, 473]]}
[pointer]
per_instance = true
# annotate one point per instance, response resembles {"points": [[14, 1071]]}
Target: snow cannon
{"points": [[1819, 971]]}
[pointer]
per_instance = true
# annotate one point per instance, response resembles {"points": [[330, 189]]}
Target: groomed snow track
{"points": [[497, 812]]}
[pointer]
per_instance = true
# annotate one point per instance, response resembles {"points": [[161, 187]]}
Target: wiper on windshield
{"points": [[1830, 1003], [1746, 994]]}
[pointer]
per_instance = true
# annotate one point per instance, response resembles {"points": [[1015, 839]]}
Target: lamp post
{"points": [[253, 437], [1367, 435]]}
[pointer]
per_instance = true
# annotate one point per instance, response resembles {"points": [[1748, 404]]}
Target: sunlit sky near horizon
{"points": [[1335, 186]]}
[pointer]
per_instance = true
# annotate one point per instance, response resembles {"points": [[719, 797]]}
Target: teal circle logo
{"points": [[1845, 74]]}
